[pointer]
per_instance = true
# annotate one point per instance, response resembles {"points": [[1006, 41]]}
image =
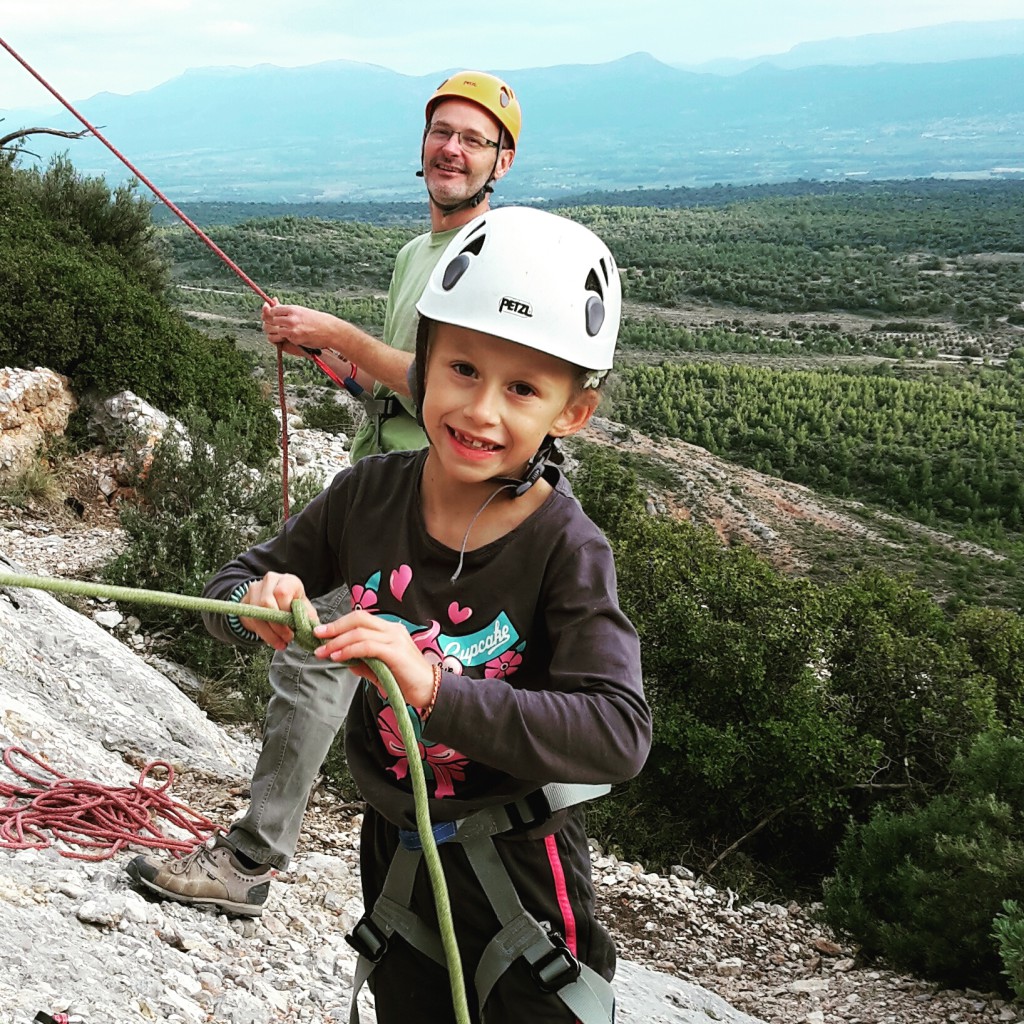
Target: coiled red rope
{"points": [[97, 818]]}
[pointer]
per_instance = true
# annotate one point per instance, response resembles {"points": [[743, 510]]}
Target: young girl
{"points": [[481, 584]]}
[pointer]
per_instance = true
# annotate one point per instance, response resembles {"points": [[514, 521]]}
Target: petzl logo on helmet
{"points": [[509, 305]]}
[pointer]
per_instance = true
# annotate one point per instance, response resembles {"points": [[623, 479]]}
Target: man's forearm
{"points": [[375, 360]]}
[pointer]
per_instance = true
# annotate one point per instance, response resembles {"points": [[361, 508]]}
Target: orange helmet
{"points": [[486, 91]]}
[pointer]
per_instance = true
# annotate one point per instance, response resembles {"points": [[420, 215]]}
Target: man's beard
{"points": [[451, 191]]}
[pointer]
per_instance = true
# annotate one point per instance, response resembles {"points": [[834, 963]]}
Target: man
{"points": [[469, 141], [472, 127]]}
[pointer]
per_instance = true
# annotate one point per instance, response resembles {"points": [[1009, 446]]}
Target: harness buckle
{"points": [[535, 805], [557, 968], [368, 940]]}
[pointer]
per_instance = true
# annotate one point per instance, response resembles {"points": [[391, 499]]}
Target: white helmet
{"points": [[534, 278]]}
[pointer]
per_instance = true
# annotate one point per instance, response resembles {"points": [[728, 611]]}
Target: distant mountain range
{"points": [[348, 131], [960, 40]]}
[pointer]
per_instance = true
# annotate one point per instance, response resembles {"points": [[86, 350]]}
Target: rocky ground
{"points": [[773, 962]]}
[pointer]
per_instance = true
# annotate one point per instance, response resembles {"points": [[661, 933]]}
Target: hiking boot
{"points": [[210, 876]]}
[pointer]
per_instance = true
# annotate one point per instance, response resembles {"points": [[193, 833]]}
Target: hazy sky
{"points": [[87, 46]]}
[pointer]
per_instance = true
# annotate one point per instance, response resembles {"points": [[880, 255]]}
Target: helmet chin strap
{"points": [[549, 454], [463, 204]]}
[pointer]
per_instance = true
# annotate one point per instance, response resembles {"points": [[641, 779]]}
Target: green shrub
{"points": [[200, 506], [81, 293], [115, 224], [922, 888], [331, 413], [995, 639], [1008, 931], [906, 680], [747, 733]]}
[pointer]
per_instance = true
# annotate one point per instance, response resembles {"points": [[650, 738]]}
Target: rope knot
{"points": [[303, 627]]}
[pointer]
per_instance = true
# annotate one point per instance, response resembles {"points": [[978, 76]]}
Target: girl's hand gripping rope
{"points": [[276, 591], [360, 636]]}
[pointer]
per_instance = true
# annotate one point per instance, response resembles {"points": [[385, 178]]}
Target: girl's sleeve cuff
{"points": [[234, 622]]}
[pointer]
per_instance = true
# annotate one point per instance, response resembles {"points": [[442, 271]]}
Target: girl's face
{"points": [[489, 403]]}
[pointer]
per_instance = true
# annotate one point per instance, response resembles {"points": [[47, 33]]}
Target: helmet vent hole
{"points": [[454, 271], [594, 284], [595, 315], [476, 246]]}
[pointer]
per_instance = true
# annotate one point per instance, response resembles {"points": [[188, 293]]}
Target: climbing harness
{"points": [[381, 410], [554, 967], [378, 410], [103, 819]]}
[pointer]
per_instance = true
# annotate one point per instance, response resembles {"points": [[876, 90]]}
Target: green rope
{"points": [[301, 624], [299, 621]]}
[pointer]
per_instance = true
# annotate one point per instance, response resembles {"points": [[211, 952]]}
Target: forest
{"points": [[865, 339]]}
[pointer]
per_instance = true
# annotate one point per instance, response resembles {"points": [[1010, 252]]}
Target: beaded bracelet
{"points": [[433, 693]]}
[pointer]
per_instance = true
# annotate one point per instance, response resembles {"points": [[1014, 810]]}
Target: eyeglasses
{"points": [[469, 141]]}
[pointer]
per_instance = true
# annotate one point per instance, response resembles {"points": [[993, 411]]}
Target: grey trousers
{"points": [[306, 711]]}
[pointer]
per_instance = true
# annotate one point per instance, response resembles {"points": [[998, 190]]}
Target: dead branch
{"points": [[23, 133]]}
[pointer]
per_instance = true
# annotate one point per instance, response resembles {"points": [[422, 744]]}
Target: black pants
{"points": [[551, 876]]}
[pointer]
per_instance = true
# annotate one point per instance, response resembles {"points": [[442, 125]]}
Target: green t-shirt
{"points": [[412, 269]]}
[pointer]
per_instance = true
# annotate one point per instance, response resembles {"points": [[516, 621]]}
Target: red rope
{"points": [[201, 235], [104, 819], [138, 174]]}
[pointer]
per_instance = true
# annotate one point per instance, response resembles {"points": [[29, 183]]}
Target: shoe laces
{"points": [[200, 853]]}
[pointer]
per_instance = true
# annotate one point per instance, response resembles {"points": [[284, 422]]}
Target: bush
{"points": [[200, 506], [330, 412], [907, 680], [995, 640], [81, 293], [1008, 931], [922, 889], [747, 734]]}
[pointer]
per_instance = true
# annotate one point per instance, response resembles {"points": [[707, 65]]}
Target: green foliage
{"points": [[911, 249], [905, 680], [81, 293], [745, 730], [35, 484], [606, 489], [1008, 931], [294, 252], [942, 448], [995, 641], [116, 225], [922, 888], [654, 334], [331, 413], [200, 506]]}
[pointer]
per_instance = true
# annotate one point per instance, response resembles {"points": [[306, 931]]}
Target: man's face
{"points": [[452, 173]]}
